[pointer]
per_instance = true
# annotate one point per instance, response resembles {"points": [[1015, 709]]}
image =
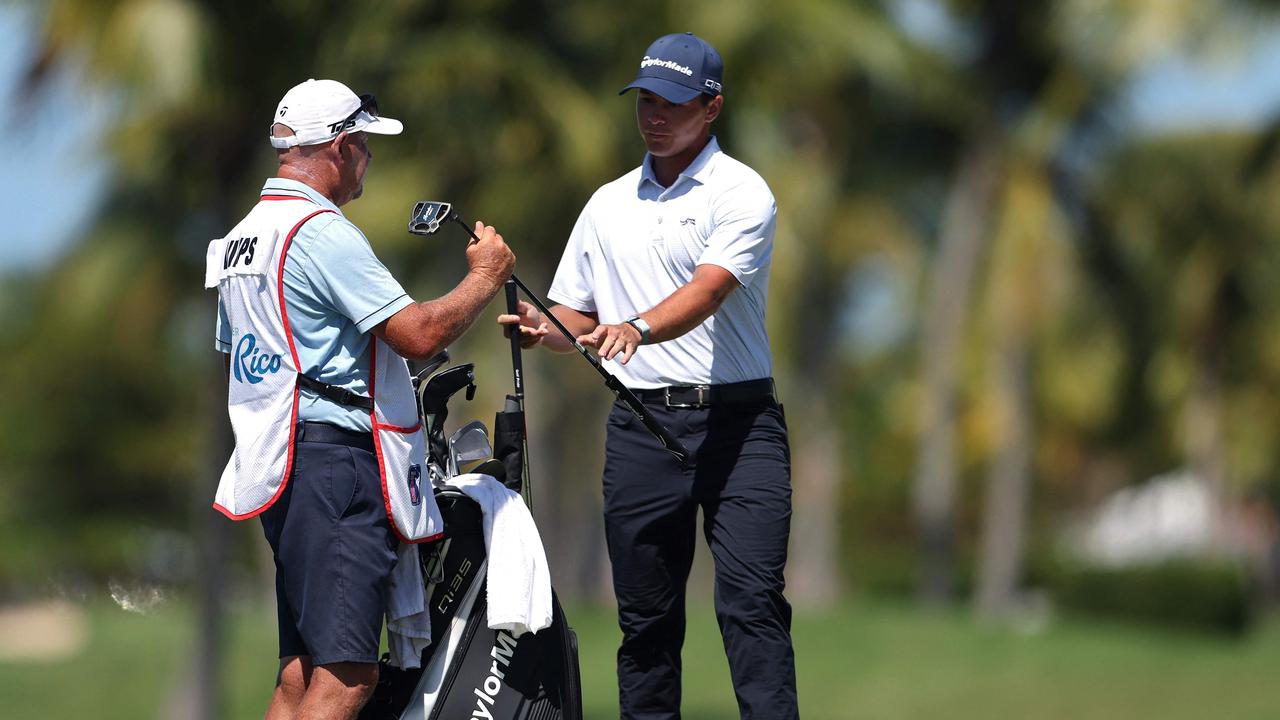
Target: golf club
{"points": [[511, 421], [427, 218]]}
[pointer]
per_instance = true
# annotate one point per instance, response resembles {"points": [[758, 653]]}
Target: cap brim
{"points": [[671, 92], [384, 126]]}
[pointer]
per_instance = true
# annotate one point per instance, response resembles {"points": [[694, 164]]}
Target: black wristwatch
{"points": [[641, 327]]}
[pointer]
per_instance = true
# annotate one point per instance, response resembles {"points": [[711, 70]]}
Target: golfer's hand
{"points": [[529, 320], [490, 256], [610, 340]]}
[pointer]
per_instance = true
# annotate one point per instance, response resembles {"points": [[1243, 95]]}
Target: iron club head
{"points": [[428, 215]]}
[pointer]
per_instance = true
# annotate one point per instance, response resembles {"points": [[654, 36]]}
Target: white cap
{"points": [[318, 110]]}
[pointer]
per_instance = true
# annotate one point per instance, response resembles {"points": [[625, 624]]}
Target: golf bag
{"points": [[470, 670]]}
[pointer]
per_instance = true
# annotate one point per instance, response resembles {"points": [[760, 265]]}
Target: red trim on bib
{"points": [[293, 353], [377, 446], [397, 428]]}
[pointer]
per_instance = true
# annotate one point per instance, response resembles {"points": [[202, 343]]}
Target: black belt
{"points": [[698, 396], [319, 432]]}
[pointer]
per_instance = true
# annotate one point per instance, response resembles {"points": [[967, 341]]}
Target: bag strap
{"points": [[340, 395]]}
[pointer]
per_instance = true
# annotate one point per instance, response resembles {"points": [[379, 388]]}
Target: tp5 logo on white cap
{"points": [[680, 67], [318, 110]]}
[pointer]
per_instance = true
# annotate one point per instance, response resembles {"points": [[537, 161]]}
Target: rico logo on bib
{"points": [[251, 363]]}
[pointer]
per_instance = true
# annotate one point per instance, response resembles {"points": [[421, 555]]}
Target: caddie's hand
{"points": [[529, 320], [490, 255], [610, 340]]}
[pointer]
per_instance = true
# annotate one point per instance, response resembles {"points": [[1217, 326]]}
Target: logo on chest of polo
{"points": [[251, 363]]}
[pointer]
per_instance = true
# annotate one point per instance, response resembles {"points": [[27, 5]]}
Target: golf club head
{"points": [[422, 370], [470, 443], [428, 215]]}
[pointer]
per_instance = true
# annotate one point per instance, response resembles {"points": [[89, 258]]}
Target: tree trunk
{"points": [[198, 692], [962, 238], [1009, 484], [813, 568], [1205, 442]]}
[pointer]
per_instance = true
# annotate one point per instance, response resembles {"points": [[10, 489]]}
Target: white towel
{"points": [[408, 622], [519, 592]]}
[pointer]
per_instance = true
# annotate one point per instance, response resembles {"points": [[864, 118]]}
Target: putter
{"points": [[426, 220]]}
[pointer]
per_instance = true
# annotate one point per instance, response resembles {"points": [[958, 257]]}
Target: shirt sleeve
{"points": [[572, 285], [347, 276], [741, 239], [222, 329]]}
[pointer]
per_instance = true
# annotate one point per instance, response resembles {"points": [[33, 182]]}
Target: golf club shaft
{"points": [[664, 436]]}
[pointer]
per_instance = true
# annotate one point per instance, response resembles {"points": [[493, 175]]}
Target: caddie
{"points": [[328, 450]]}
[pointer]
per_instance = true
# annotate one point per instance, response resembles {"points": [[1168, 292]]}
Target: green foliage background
{"points": [[1130, 274]]}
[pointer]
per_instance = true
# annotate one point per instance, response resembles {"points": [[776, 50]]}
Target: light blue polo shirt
{"points": [[335, 290]]}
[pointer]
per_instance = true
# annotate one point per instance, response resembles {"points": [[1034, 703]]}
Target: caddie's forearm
{"points": [[421, 330], [449, 316]]}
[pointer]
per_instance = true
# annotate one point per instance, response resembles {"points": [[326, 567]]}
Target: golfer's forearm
{"points": [[681, 312], [577, 323], [689, 306]]}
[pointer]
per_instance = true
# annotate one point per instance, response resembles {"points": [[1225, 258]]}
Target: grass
{"points": [[866, 660]]}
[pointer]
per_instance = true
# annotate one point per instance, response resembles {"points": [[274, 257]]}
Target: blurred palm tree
{"points": [[1043, 76]]}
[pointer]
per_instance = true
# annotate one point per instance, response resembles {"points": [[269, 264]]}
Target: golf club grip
{"points": [[517, 366]]}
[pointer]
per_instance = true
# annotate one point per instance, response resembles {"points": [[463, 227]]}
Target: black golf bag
{"points": [[469, 670]]}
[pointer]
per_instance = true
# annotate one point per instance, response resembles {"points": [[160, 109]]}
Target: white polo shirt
{"points": [[636, 242]]}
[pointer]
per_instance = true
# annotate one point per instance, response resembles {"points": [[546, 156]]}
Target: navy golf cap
{"points": [[679, 67]]}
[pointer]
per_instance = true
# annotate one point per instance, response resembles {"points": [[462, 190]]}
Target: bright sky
{"points": [[53, 174]]}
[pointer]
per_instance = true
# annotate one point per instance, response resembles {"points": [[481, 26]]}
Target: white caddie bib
{"points": [[247, 268]]}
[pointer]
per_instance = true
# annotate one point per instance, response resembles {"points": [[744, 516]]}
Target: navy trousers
{"points": [[742, 482]]}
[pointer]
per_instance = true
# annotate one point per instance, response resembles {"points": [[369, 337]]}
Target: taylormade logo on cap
{"points": [[669, 64], [680, 67]]}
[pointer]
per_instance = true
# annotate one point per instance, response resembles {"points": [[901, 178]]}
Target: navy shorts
{"points": [[334, 548]]}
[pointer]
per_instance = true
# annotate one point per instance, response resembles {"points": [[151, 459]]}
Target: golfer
{"points": [[328, 452], [666, 274]]}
